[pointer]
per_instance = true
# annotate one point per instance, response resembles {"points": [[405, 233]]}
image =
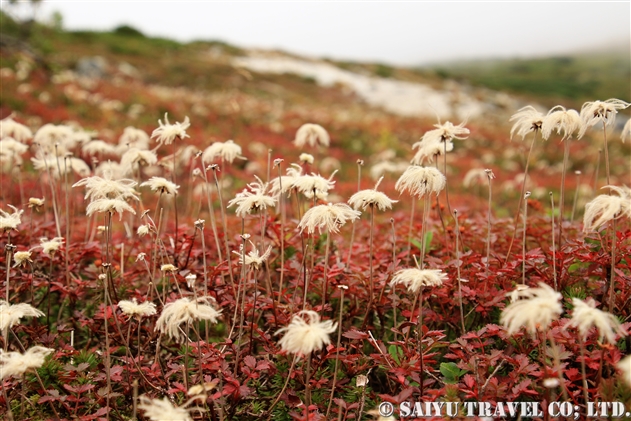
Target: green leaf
{"points": [[428, 240], [451, 372], [396, 353]]}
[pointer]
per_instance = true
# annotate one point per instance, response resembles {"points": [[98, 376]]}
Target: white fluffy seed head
{"points": [[624, 365], [11, 128], [253, 199], [21, 258], [535, 310], [184, 310], [51, 246], [371, 197], [227, 151], [415, 279], [313, 185], [421, 181], [163, 410], [564, 122], [312, 135], [626, 131], [16, 364], [329, 217], [253, 259], [586, 315], [306, 333], [10, 221], [596, 112], [161, 185], [109, 205], [132, 308], [605, 208], [527, 120], [167, 132], [10, 314]]}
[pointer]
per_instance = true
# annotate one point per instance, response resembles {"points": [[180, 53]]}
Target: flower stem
{"points": [[281, 204], [326, 272], [410, 228], [576, 193], [606, 155], [523, 247], [554, 256], [566, 155], [350, 248], [337, 351], [612, 285], [521, 196], [488, 227], [420, 340], [458, 271], [225, 226]]}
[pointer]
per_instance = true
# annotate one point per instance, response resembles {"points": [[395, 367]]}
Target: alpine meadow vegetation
{"points": [[155, 270]]}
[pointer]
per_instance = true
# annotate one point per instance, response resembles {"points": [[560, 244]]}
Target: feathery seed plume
{"points": [[304, 336], [94, 147], [21, 258], [563, 121], [527, 119], [50, 135], [10, 314], [330, 217], [133, 138], [132, 308], [49, 247], [420, 181], [167, 132], [16, 364], [185, 310], [605, 208], [109, 205], [228, 151], [313, 184], [162, 185], [538, 308], [626, 131], [11, 128], [624, 365], [134, 157], [108, 188], [415, 279], [168, 268], [595, 112], [286, 182], [586, 315], [306, 158], [36, 203], [163, 410], [142, 230], [311, 134], [252, 201], [253, 259], [371, 197], [10, 221]]}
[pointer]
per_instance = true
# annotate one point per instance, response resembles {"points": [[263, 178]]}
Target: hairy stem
{"points": [[337, 350], [554, 256], [521, 195], [458, 271]]}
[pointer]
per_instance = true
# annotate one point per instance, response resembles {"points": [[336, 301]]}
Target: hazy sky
{"points": [[394, 32]]}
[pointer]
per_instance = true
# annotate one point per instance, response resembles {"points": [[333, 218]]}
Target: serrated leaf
{"points": [[451, 372]]}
